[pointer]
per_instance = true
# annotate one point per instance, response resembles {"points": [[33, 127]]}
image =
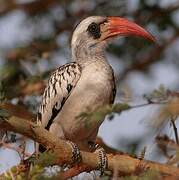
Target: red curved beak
{"points": [[121, 26]]}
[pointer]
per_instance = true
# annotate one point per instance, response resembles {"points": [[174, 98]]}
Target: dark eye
{"points": [[94, 30]]}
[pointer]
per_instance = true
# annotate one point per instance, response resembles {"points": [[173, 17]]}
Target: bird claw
{"points": [[102, 158], [103, 161], [76, 155]]}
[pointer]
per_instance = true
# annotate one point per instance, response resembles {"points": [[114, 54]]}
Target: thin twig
{"points": [[147, 104]]}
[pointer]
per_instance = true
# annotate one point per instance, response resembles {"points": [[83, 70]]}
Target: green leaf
{"points": [[4, 113]]}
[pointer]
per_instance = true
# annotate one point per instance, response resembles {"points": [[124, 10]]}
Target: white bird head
{"points": [[92, 34]]}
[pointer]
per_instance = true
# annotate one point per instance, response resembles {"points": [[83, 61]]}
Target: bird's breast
{"points": [[93, 90]]}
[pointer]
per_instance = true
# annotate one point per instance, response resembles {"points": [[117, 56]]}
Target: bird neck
{"points": [[85, 54]]}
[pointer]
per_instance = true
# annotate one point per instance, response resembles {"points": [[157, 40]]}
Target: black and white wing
{"points": [[61, 83]]}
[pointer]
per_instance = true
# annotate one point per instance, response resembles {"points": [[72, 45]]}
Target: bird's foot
{"points": [[76, 155], [103, 161]]}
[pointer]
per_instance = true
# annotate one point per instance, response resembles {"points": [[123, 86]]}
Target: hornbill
{"points": [[85, 84]]}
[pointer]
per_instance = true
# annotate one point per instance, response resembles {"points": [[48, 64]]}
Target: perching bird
{"points": [[86, 83]]}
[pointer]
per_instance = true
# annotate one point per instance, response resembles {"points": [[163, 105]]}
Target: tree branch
{"points": [[62, 151], [32, 8]]}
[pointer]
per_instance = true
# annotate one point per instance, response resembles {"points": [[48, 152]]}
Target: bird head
{"points": [[92, 34]]}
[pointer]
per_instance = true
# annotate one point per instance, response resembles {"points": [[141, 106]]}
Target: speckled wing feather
{"points": [[60, 85]]}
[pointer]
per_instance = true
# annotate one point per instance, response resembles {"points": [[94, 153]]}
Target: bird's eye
{"points": [[94, 30]]}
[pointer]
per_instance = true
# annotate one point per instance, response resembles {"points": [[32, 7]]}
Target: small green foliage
{"points": [[19, 177], [147, 175], [2, 92], [7, 71], [13, 173], [35, 172], [133, 149], [4, 113], [160, 94], [86, 117], [45, 177], [118, 108], [150, 175], [106, 176], [100, 114], [142, 153], [177, 155], [45, 159], [34, 79]]}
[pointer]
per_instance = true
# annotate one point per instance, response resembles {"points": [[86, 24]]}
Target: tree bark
{"points": [[124, 164]]}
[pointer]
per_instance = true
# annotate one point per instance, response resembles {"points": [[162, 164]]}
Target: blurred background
{"points": [[35, 39]]}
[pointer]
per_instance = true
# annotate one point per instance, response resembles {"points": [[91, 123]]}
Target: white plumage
{"points": [[61, 83], [85, 84]]}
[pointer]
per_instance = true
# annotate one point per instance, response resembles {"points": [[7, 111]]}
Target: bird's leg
{"points": [[103, 161], [56, 129], [76, 155]]}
